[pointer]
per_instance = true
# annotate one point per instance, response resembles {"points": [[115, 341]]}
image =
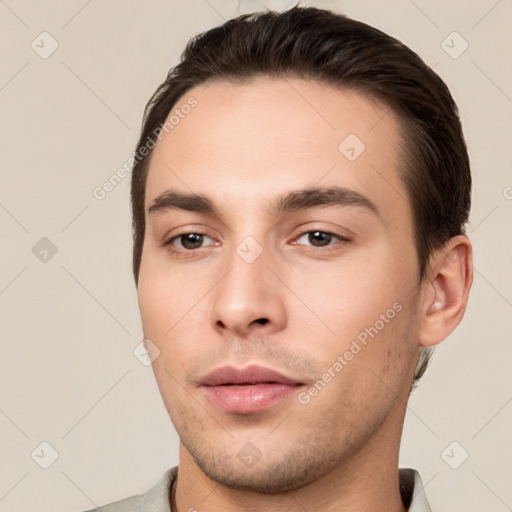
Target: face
{"points": [[321, 288]]}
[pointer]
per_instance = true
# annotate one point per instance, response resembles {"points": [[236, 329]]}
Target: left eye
{"points": [[321, 238]]}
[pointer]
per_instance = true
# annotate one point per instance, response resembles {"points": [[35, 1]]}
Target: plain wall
{"points": [[69, 325]]}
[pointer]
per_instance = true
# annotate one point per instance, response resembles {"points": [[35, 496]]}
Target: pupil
{"points": [[319, 236], [193, 239]]}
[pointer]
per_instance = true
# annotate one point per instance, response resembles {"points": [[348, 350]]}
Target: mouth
{"points": [[248, 390], [248, 383], [250, 375]]}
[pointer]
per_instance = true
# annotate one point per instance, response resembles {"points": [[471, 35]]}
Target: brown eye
{"points": [[191, 240], [188, 241], [318, 238]]}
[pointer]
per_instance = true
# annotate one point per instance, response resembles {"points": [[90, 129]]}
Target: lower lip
{"points": [[248, 399]]}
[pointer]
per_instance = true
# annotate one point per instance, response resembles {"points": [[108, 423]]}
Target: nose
{"points": [[250, 297]]}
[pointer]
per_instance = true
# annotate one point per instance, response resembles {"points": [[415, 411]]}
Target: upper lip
{"points": [[249, 375]]}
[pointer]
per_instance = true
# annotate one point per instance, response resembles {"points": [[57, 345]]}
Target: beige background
{"points": [[68, 326]]}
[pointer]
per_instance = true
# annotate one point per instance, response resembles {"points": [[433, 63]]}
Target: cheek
{"points": [[154, 298], [351, 295], [371, 366], [367, 307], [172, 314], [165, 295]]}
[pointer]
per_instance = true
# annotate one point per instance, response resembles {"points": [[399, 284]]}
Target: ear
{"points": [[446, 290]]}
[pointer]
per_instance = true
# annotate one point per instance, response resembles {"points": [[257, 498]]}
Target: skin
{"points": [[243, 145]]}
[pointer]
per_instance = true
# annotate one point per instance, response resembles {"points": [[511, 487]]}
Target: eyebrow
{"points": [[291, 201]]}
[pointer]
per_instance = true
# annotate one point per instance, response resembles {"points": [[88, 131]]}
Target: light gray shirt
{"points": [[156, 499]]}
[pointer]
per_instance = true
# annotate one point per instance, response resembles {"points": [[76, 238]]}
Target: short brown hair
{"points": [[318, 44]]}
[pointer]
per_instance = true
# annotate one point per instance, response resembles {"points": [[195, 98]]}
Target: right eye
{"points": [[188, 241]]}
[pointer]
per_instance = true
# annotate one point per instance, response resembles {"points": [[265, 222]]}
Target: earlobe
{"points": [[434, 307], [447, 291]]}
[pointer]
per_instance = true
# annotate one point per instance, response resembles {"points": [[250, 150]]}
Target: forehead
{"points": [[242, 143]]}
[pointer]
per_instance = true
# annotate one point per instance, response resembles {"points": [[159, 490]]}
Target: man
{"points": [[299, 196]]}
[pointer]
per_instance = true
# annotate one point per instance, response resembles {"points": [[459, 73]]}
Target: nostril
{"points": [[262, 321]]}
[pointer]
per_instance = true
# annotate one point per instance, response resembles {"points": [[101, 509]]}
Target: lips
{"points": [[247, 390], [254, 374]]}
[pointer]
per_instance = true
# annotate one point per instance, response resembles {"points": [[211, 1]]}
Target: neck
{"points": [[365, 480]]}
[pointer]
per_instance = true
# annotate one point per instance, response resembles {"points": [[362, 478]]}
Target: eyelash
{"points": [[188, 252]]}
